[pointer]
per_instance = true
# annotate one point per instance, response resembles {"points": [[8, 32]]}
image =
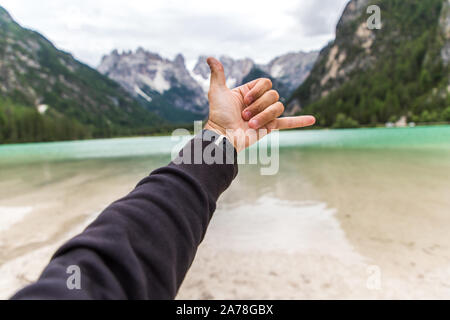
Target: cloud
{"points": [[257, 29], [317, 18]]}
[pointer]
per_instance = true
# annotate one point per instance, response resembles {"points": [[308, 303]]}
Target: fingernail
{"points": [[247, 115], [253, 123], [249, 100]]}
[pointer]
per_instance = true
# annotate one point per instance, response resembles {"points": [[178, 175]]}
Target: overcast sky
{"points": [[258, 29]]}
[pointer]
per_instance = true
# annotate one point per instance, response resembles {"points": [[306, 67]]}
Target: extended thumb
{"points": [[217, 72]]}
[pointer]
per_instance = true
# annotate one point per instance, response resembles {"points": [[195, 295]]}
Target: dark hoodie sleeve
{"points": [[141, 246]]}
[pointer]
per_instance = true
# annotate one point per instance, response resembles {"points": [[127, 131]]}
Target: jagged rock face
{"points": [[21, 60], [149, 76], [333, 67], [289, 70], [375, 75], [444, 26], [352, 11], [351, 51], [166, 86], [235, 70]]}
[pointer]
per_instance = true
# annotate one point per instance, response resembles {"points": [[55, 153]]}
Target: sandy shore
{"points": [[330, 225], [307, 256], [52, 206], [275, 275]]}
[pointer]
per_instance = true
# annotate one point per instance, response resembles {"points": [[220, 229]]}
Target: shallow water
{"points": [[367, 196]]}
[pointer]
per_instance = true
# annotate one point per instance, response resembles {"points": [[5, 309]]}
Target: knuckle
{"points": [[257, 106], [281, 107], [277, 110], [274, 95], [274, 112], [271, 125], [268, 82], [262, 119]]}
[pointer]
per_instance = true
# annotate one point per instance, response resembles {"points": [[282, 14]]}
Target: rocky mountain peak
{"points": [[290, 69], [166, 86], [235, 70], [352, 11], [179, 61], [155, 80]]}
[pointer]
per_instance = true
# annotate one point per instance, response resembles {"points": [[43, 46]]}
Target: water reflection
{"points": [[393, 206]]}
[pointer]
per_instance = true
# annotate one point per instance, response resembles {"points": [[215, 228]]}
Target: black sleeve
{"points": [[142, 245]]}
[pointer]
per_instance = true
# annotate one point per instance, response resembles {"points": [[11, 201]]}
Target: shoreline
{"points": [[166, 134], [311, 231]]}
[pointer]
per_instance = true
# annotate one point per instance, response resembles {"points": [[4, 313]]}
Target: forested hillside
{"points": [[368, 77], [46, 95]]}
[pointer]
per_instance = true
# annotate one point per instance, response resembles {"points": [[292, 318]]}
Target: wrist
{"points": [[216, 128], [210, 125]]}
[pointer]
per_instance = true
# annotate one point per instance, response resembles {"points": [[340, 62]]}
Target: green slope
{"points": [[81, 102]]}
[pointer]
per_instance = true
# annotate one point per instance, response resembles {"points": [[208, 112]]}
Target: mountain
{"points": [[291, 69], [45, 94], [180, 95], [162, 85], [235, 71], [287, 72], [365, 76]]}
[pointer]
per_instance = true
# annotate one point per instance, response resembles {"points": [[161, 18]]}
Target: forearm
{"points": [[141, 246]]}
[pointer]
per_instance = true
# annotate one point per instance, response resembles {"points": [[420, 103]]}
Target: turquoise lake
{"points": [[342, 200]]}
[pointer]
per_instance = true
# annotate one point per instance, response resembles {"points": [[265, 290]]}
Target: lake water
{"points": [[361, 213]]}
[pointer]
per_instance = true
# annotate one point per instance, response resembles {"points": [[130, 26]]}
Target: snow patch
{"points": [[158, 83], [11, 215], [276, 71], [142, 94], [203, 82]]}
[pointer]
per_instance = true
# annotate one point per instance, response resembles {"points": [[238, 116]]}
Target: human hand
{"points": [[247, 113]]}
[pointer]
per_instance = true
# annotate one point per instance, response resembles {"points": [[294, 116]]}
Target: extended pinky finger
{"points": [[292, 122]]}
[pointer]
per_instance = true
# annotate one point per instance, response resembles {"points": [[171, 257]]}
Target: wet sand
{"points": [[329, 226], [333, 224], [381, 234]]}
